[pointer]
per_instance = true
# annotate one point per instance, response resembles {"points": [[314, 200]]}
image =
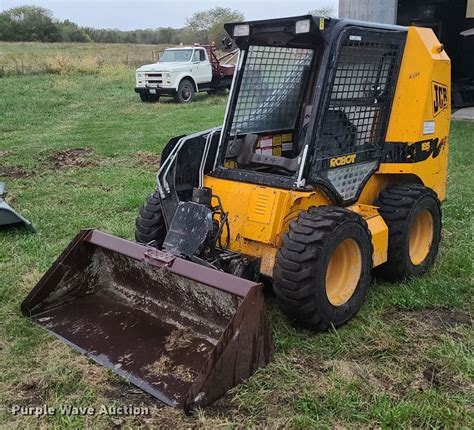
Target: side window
{"points": [[196, 55], [360, 95], [360, 91], [202, 55]]}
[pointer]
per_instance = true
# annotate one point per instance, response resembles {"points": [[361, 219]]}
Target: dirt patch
{"points": [[429, 322], [14, 172], [148, 159], [431, 376], [426, 329], [180, 338], [61, 159], [5, 153], [30, 392]]}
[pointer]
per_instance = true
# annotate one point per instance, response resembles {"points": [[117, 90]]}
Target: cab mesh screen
{"points": [[360, 95], [271, 89]]}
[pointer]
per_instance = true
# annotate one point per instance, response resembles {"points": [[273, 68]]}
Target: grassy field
{"points": [[81, 151], [70, 58]]}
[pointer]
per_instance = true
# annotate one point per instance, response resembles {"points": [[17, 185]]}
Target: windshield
{"points": [[176, 55], [271, 89]]}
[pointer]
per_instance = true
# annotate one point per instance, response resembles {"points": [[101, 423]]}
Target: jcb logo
{"points": [[342, 161], [440, 98]]}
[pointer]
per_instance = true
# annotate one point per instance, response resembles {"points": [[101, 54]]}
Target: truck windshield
{"points": [[176, 55], [271, 89]]}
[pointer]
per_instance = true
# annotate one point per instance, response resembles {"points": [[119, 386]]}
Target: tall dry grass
{"points": [[72, 58]]}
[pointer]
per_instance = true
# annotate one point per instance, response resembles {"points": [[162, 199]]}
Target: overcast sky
{"points": [[130, 15]]}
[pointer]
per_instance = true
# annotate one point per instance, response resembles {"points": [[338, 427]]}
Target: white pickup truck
{"points": [[182, 72]]}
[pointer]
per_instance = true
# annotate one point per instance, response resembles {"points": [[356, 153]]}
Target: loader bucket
{"points": [[182, 332], [8, 216]]}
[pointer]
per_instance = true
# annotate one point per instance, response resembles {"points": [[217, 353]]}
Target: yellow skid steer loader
{"points": [[331, 162]]}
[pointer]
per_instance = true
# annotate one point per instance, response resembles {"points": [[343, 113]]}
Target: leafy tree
{"points": [[32, 23], [208, 25], [71, 32], [27, 23]]}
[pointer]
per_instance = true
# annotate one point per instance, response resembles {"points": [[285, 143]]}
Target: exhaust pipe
{"points": [[182, 332]]}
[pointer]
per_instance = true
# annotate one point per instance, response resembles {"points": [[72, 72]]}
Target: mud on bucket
{"points": [[182, 332]]}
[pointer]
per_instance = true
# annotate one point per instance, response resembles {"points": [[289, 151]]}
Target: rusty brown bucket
{"points": [[182, 332]]}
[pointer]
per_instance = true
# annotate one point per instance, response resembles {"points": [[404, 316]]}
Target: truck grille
{"points": [[153, 78]]}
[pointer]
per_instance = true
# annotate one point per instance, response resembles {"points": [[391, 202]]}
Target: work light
{"points": [[241, 30], [302, 26]]}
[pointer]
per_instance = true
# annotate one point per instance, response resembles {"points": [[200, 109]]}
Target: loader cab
{"points": [[311, 95]]}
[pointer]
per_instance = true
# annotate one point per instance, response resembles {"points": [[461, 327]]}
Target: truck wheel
{"points": [[185, 92], [413, 216], [322, 270], [144, 97], [150, 224], [149, 98], [153, 98], [219, 92]]}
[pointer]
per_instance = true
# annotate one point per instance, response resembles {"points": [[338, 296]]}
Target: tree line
{"points": [[37, 24]]}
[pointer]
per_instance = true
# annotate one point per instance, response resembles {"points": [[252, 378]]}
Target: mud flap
{"points": [[182, 332], [8, 216]]}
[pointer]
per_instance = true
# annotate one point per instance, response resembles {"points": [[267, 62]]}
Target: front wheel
{"points": [[185, 93], [322, 271], [150, 225], [149, 98]]}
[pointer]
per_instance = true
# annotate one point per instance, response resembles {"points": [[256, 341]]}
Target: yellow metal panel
{"points": [[260, 207], [258, 215], [422, 108], [378, 229], [266, 252]]}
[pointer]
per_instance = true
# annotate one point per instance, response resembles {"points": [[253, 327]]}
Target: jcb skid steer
{"points": [[331, 161]]}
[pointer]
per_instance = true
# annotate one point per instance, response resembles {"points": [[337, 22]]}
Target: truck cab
{"points": [[180, 73]]}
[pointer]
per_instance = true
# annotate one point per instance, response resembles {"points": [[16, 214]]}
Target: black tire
{"points": [[185, 93], [301, 268], [149, 98], [150, 224], [401, 206], [219, 92]]}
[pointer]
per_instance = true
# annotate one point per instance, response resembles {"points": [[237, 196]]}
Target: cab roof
{"points": [[284, 32]]}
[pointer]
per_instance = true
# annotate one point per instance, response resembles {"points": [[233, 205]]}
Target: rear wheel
{"points": [[322, 271], [150, 224], [185, 93], [413, 216]]}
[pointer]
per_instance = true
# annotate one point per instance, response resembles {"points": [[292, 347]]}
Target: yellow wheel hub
{"points": [[343, 272], [421, 237]]}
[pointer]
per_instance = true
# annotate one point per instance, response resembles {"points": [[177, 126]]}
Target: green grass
{"points": [[405, 361]]}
